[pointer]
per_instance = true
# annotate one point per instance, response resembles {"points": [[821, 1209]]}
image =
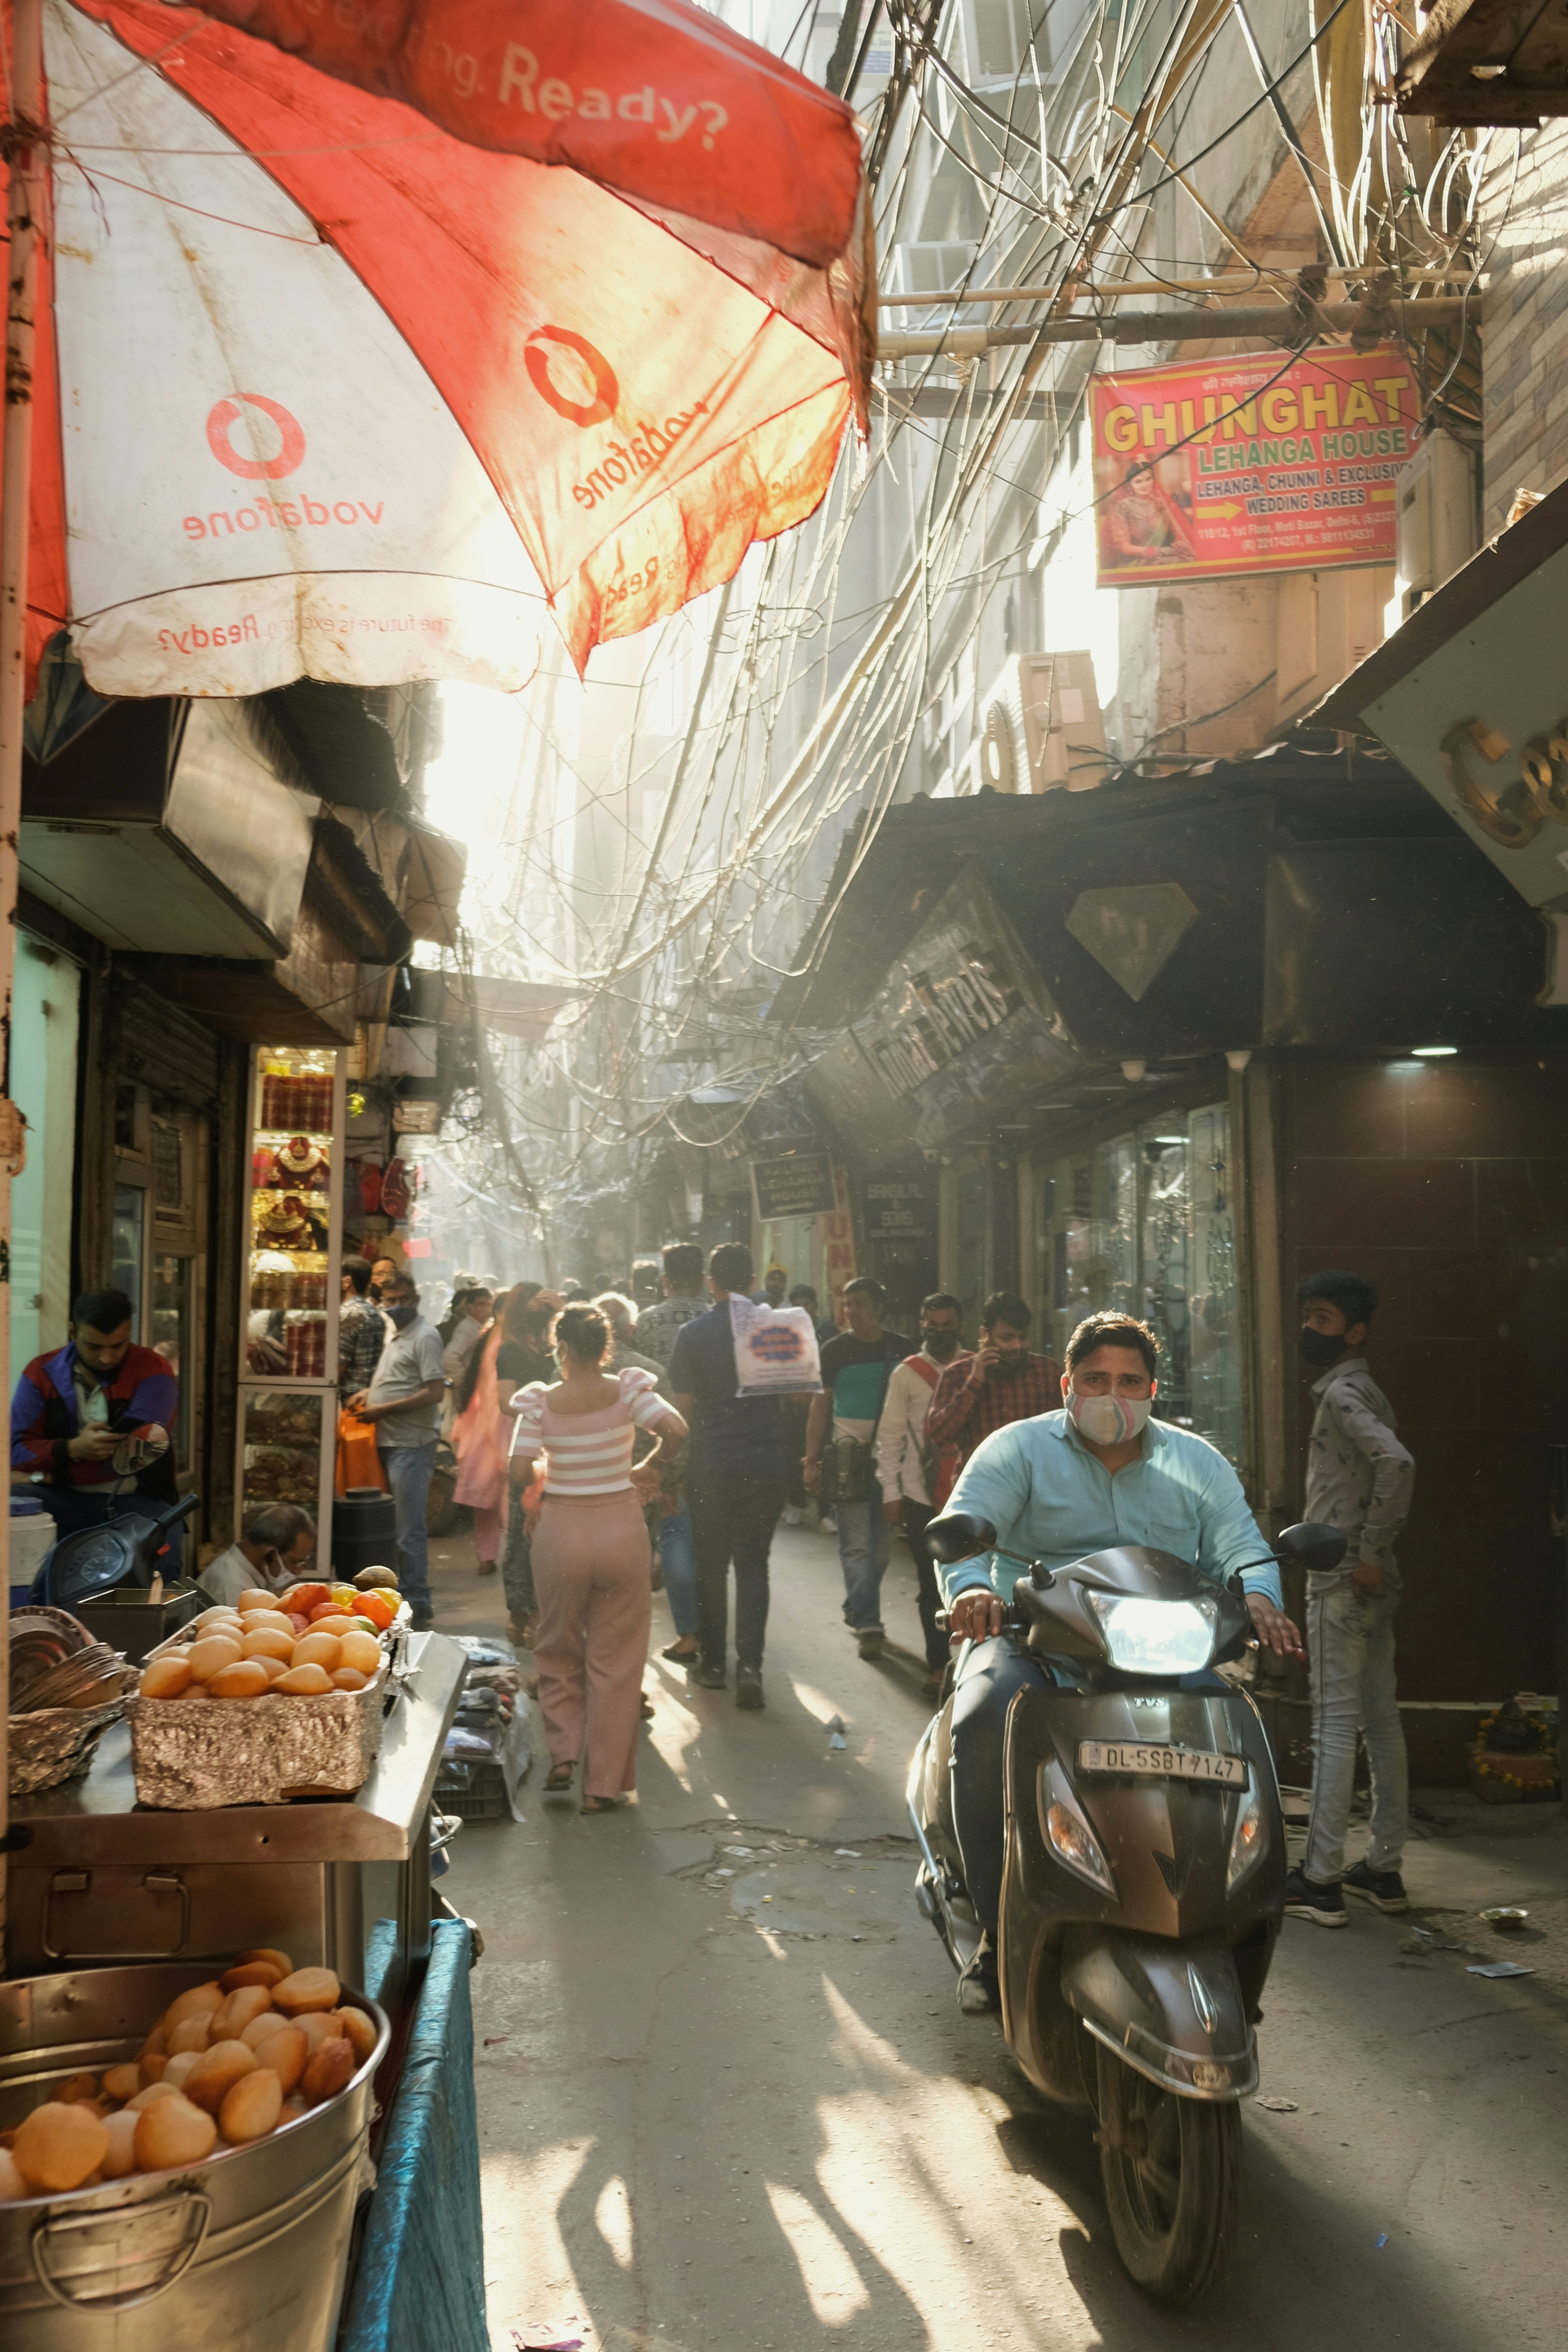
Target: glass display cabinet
{"points": [[287, 1373]]}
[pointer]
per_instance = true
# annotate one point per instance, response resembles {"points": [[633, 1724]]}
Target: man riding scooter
{"points": [[1095, 1476]]}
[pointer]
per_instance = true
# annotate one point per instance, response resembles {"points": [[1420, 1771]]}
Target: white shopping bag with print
{"points": [[775, 1349]]}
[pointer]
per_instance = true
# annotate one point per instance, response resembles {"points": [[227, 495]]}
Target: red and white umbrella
{"points": [[327, 386]]}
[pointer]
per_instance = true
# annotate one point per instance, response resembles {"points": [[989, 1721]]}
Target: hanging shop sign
{"points": [[1263, 463], [901, 1208], [962, 1028], [799, 1185], [1470, 696], [415, 1117]]}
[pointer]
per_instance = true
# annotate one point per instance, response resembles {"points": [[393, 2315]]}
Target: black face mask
{"points": [[1319, 1348]]}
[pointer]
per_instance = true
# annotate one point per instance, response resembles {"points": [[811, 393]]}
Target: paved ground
{"points": [[726, 2100]]}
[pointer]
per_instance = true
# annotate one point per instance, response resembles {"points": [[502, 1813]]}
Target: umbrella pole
{"points": [[24, 206]]}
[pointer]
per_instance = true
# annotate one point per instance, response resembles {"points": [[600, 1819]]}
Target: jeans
{"points": [[863, 1535], [915, 1520], [408, 1469], [679, 1567], [1351, 1644], [732, 1518], [988, 1677]]}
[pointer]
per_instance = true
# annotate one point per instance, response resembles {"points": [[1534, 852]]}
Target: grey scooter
{"points": [[1143, 1884]]}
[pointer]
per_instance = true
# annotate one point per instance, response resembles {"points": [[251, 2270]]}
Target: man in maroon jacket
{"points": [[1000, 1383], [90, 1424]]}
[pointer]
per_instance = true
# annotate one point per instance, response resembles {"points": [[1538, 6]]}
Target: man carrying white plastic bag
{"points": [[728, 1370]]}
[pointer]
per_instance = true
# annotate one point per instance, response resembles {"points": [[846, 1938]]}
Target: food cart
{"points": [[114, 1906]]}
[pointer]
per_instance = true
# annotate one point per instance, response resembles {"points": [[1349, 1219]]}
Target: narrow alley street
{"points": [[726, 2099]]}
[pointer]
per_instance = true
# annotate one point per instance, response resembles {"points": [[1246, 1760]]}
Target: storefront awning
{"points": [[1470, 698], [166, 827]]}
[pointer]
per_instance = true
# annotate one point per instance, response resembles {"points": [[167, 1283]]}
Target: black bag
{"points": [[848, 1472]]}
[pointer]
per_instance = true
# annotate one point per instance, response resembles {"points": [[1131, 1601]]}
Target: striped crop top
{"points": [[587, 1452]]}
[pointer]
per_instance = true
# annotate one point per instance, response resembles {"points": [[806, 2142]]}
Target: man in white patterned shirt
{"points": [[1358, 1479], [683, 1298]]}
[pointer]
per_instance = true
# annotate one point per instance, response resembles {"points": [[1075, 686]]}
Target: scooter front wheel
{"points": [[1171, 2169]]}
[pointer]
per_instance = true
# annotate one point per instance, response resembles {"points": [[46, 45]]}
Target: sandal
{"points": [[685, 1647], [601, 1804], [559, 1777], [647, 1709]]}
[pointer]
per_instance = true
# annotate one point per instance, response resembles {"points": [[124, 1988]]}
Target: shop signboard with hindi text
{"points": [[1263, 462]]}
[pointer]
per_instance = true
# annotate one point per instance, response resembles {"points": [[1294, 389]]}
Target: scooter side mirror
{"points": [[1312, 1545], [956, 1536]]}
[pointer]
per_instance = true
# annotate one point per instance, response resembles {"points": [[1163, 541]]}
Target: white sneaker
{"points": [[791, 1518], [827, 1526]]}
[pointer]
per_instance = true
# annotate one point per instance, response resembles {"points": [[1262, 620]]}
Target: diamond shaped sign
{"points": [[1133, 931]]}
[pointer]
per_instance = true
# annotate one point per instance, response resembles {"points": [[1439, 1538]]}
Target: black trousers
{"points": [[795, 1413], [732, 1519], [989, 1674], [915, 1520]]}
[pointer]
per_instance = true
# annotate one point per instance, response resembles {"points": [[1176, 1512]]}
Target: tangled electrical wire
{"points": [[787, 705]]}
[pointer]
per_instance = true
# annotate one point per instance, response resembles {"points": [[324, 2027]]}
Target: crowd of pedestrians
{"points": [[604, 1453]]}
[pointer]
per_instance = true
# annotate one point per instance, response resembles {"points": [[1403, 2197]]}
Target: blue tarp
{"points": [[419, 2283]]}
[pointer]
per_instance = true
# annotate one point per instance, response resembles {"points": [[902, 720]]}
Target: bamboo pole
{"points": [[1279, 322], [26, 156]]}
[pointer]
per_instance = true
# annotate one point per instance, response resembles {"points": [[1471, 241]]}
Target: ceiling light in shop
{"points": [[1432, 1053]]}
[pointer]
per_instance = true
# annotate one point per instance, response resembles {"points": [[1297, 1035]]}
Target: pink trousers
{"points": [[592, 1569]]}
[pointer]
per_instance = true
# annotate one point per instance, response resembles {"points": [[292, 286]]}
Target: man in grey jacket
{"points": [[1358, 1479]]}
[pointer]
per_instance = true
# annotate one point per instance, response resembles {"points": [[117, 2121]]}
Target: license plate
{"points": [[1153, 1762]]}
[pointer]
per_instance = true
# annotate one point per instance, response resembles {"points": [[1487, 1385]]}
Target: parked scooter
{"points": [[91, 1561], [1144, 1878]]}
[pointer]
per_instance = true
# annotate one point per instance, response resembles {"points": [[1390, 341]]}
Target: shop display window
{"points": [[290, 1216], [293, 1253], [281, 1448], [1144, 1222]]}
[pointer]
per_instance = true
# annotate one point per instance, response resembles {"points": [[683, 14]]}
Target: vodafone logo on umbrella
{"points": [[231, 431], [226, 415]]}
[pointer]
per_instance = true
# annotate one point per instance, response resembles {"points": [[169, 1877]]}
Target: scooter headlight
{"points": [[1155, 1637], [1250, 1839]]}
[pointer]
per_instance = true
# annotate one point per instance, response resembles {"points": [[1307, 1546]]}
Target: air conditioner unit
{"points": [[1040, 726], [1436, 512], [931, 267]]}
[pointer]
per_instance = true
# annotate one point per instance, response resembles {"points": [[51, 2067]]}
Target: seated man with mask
{"points": [[274, 1551], [1099, 1474]]}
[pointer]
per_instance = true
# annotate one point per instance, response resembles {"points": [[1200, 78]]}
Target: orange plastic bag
{"points": [[359, 1458]]}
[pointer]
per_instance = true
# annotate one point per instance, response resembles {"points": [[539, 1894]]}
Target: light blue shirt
{"points": [[1050, 1498]]}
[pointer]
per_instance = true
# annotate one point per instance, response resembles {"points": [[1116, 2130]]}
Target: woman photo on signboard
{"points": [[1143, 523]]}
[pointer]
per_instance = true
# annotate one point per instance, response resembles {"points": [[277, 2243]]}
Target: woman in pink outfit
{"points": [[592, 1563]]}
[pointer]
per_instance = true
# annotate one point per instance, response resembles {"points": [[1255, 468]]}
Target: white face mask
{"points": [[1109, 1420]]}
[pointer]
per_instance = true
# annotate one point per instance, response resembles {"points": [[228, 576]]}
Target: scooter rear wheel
{"points": [[1171, 2169]]}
